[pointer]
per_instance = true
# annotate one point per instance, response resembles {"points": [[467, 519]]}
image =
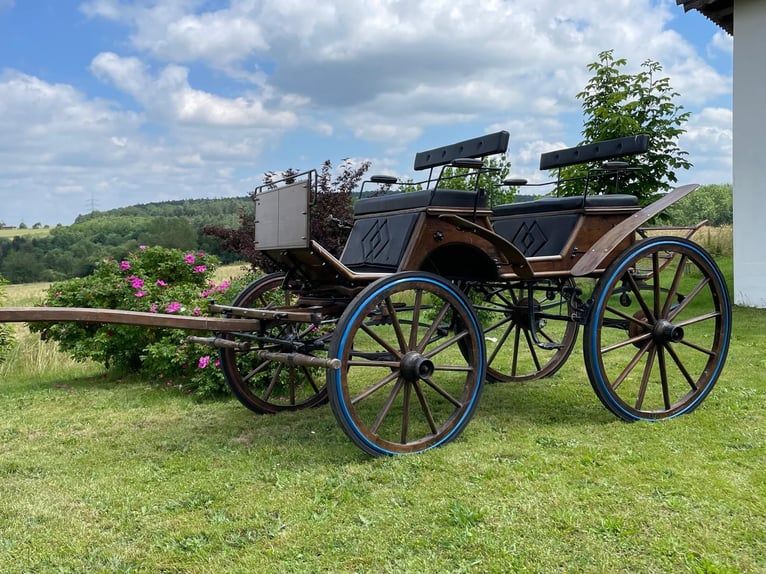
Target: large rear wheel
{"points": [[528, 327], [658, 333]]}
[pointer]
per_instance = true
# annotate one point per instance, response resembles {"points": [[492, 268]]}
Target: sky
{"points": [[109, 103]]}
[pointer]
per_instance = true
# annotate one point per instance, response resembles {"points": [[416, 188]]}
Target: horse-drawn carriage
{"points": [[438, 291]]}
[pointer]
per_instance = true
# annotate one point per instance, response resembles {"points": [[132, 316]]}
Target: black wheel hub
{"points": [[414, 366], [665, 332]]}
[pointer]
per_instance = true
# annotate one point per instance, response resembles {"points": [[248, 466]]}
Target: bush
{"points": [[154, 280]]}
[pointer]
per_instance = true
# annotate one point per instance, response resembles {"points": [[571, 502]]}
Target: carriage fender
{"points": [[601, 249], [516, 258]]}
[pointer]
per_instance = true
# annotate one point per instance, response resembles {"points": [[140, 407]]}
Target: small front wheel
{"points": [[658, 334], [264, 386], [412, 364]]}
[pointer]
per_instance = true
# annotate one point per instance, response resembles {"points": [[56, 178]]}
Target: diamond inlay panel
{"points": [[530, 238]]}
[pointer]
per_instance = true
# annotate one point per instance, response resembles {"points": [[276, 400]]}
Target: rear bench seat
{"points": [[454, 198], [551, 204]]}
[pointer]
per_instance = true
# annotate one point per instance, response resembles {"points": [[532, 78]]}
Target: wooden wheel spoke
{"points": [[500, 323], [415, 319], [506, 303], [310, 379], [674, 285], [699, 319], [406, 412], [630, 318], [273, 382], [375, 387], [664, 377], [445, 344], [395, 323], [688, 299], [291, 373], [434, 325], [256, 370], [631, 365], [696, 347], [387, 406], [657, 284], [626, 342], [500, 344], [382, 342], [424, 406], [531, 347], [681, 367], [430, 382], [515, 359], [645, 377], [639, 297]]}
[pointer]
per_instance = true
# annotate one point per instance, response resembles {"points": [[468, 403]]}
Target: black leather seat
{"points": [[418, 199], [549, 204]]}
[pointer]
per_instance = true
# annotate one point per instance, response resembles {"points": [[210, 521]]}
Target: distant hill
{"points": [[63, 252], [198, 212]]}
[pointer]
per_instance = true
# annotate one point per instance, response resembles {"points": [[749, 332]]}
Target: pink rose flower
{"points": [[124, 265], [173, 307], [204, 361]]}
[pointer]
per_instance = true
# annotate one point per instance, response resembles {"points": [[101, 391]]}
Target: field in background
{"points": [[29, 232]]}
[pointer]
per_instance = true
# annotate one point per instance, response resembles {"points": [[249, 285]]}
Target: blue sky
{"points": [[106, 103]]}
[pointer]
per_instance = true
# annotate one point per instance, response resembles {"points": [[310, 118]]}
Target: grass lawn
{"points": [[99, 474]]}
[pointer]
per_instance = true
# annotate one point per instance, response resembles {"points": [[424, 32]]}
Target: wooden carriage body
{"points": [[437, 291]]}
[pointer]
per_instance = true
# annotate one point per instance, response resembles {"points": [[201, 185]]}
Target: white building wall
{"points": [[750, 153]]}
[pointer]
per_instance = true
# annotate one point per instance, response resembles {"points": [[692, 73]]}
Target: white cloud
{"points": [[708, 139], [211, 88], [722, 43], [169, 95]]}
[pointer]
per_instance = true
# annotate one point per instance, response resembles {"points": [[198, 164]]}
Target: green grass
{"points": [[99, 474]]}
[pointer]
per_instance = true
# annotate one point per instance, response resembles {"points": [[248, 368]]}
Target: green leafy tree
{"points": [[617, 104], [711, 202], [490, 179]]}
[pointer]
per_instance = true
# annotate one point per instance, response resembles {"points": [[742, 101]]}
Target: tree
{"points": [[616, 104], [711, 202], [333, 198]]}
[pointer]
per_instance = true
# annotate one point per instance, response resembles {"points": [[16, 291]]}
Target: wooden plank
{"points": [[604, 246], [122, 317], [515, 257]]}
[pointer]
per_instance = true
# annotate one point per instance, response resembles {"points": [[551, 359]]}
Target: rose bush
{"points": [[154, 280]]}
